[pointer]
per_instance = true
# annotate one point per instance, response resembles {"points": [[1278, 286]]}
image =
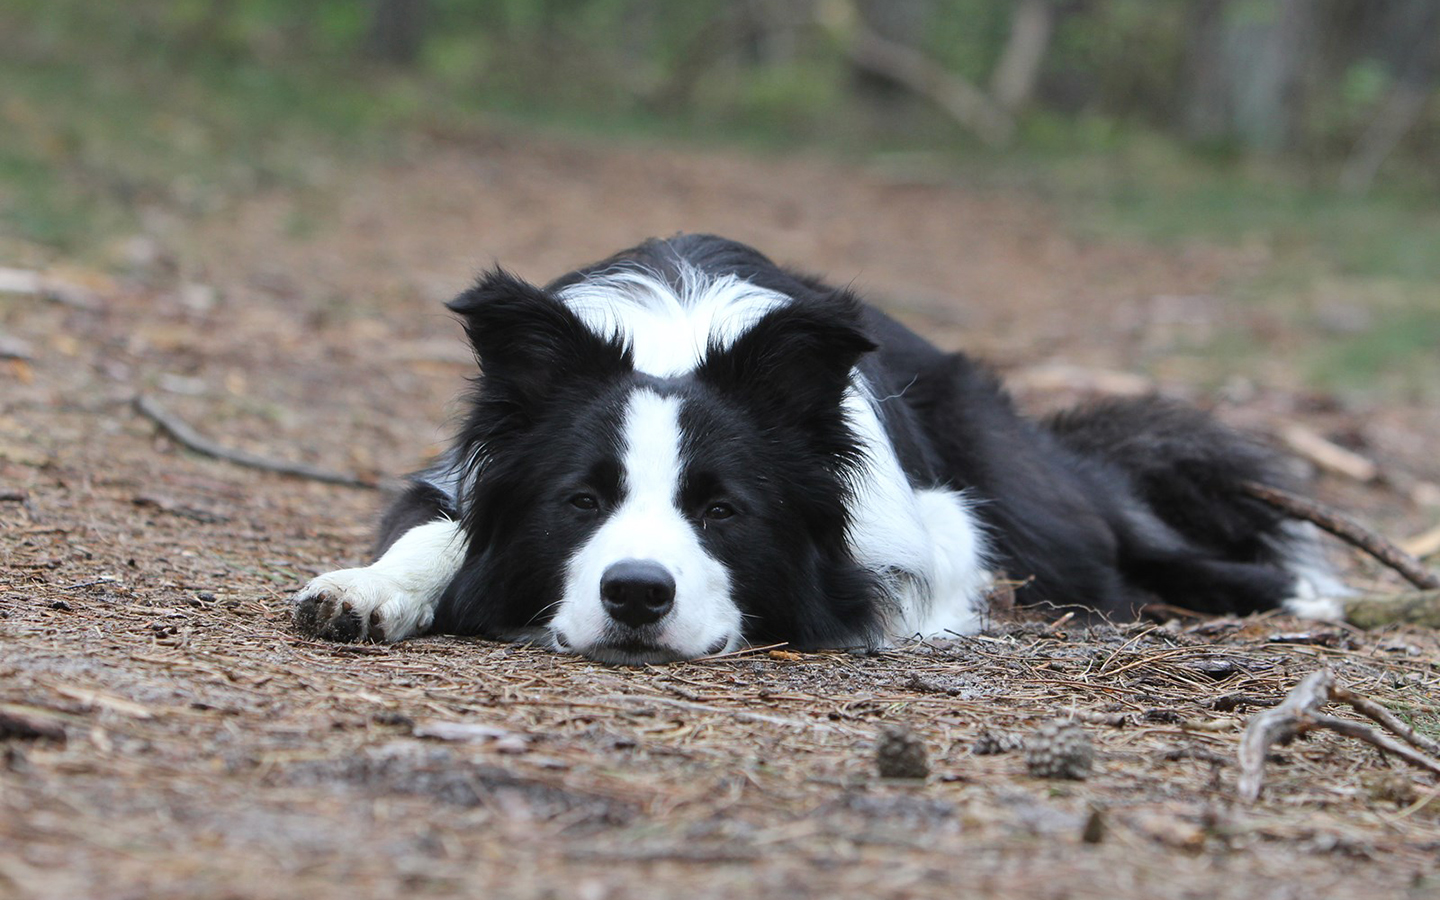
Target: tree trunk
{"points": [[1247, 61], [1013, 82], [1413, 49], [397, 31]]}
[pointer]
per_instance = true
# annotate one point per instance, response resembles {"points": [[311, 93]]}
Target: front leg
{"points": [[392, 598]]}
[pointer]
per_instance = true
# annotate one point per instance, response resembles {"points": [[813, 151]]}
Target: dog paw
{"points": [[353, 605]]}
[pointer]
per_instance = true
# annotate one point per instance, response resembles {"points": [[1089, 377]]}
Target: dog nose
{"points": [[637, 591]]}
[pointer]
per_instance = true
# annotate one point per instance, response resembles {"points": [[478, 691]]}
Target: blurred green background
{"points": [[1309, 127]]}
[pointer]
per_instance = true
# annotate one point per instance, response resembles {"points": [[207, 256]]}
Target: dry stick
{"points": [[1371, 736], [740, 714], [1348, 530], [1274, 725], [182, 432], [1300, 712], [1424, 544], [1408, 608], [1374, 711]]}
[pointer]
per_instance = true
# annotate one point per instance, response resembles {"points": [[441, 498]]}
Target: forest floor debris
{"points": [[165, 733]]}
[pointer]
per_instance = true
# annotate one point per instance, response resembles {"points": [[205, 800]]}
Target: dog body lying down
{"points": [[685, 447]]}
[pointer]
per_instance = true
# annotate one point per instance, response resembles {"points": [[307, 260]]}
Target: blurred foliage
{"points": [[755, 65], [111, 109]]}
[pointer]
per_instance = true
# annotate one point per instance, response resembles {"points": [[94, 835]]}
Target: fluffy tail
{"points": [[1190, 471]]}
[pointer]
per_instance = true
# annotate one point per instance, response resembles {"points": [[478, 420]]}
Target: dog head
{"points": [[656, 475]]}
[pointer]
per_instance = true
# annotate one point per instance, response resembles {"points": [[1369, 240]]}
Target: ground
{"points": [[165, 733]]}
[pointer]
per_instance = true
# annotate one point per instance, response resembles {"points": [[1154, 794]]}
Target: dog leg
{"points": [[392, 598]]}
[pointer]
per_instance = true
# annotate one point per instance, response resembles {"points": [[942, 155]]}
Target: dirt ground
{"points": [[164, 733]]}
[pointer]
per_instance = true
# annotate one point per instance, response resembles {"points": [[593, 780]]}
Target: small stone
{"points": [[1094, 830], [991, 743], [1060, 750], [899, 753]]}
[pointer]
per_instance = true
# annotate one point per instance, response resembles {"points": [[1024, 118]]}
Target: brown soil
{"points": [[163, 733]]}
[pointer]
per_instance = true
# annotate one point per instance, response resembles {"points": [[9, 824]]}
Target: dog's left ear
{"points": [[528, 343], [795, 362]]}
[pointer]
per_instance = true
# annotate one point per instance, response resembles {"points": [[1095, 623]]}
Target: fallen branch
{"points": [[1277, 725], [743, 715], [182, 432], [1348, 530], [1374, 711], [1424, 544], [1411, 608], [30, 722], [1054, 377], [1300, 712], [1328, 455]]}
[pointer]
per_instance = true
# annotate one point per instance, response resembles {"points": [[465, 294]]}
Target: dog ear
{"points": [[528, 343], [795, 362]]}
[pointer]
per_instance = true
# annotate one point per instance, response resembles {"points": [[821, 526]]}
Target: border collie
{"points": [[686, 448]]}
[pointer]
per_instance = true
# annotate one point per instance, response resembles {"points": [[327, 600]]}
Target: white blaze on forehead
{"points": [[669, 329], [648, 525]]}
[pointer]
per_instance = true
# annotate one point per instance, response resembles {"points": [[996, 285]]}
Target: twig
{"points": [[1347, 530], [1300, 712], [743, 715], [182, 432], [1329, 455], [1425, 544], [29, 722], [1050, 377], [1407, 608], [1372, 710], [1365, 733], [1276, 725]]}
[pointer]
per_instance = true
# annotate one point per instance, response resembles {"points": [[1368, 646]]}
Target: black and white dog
{"points": [[685, 448]]}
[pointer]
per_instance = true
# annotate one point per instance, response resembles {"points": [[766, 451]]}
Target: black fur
{"points": [[1104, 508]]}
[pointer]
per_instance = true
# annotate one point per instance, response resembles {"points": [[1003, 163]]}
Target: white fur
{"points": [[958, 575], [648, 526], [669, 331], [401, 587], [1318, 592], [929, 537], [927, 545], [1325, 609]]}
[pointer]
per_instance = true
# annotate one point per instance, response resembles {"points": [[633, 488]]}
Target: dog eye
{"points": [[719, 511], [584, 501]]}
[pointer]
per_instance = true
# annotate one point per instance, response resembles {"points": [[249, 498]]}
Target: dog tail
{"points": [[1192, 471]]}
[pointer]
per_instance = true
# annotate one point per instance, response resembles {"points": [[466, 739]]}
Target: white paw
{"points": [[353, 605]]}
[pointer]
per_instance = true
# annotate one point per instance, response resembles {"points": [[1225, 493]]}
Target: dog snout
{"points": [[637, 591]]}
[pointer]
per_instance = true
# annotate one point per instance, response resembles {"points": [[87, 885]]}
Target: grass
{"points": [[97, 133], [104, 123], [1353, 282]]}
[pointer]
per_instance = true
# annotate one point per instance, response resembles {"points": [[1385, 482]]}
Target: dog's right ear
{"points": [[530, 345]]}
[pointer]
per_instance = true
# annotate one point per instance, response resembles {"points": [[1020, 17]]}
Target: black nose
{"points": [[637, 591]]}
